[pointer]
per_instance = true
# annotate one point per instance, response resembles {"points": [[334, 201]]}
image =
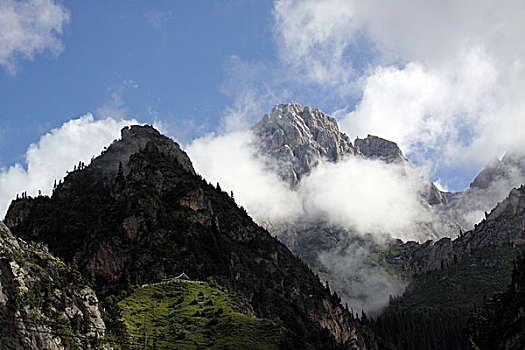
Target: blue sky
{"points": [[442, 79], [165, 60]]}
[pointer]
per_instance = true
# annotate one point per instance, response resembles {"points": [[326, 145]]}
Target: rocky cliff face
{"points": [[297, 138], [373, 147], [134, 139], [491, 186], [504, 225], [42, 306], [156, 218]]}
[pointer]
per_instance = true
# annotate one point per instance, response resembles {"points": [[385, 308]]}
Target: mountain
{"points": [[453, 277], [139, 213], [44, 304], [499, 323], [489, 187], [298, 138], [295, 140]]}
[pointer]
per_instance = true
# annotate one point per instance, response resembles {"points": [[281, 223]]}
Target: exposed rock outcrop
{"points": [[491, 186], [373, 147], [504, 225], [134, 139], [41, 304], [297, 138]]}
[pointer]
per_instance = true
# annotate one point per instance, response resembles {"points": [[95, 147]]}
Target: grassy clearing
{"points": [[188, 315]]}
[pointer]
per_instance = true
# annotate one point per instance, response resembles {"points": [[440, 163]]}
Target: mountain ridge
{"points": [[159, 219]]}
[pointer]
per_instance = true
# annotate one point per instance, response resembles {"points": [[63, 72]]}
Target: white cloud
{"points": [[443, 79], [368, 196], [55, 153], [28, 28], [365, 196], [313, 39], [229, 159], [433, 114]]}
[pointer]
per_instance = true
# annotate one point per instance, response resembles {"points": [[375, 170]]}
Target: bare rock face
{"points": [[134, 139], [40, 303], [297, 138], [505, 224], [510, 170], [373, 147], [491, 186]]}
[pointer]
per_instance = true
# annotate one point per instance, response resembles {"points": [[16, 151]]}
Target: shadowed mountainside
{"points": [[140, 211]]}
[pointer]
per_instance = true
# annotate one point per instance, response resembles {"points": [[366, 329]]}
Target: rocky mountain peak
{"points": [[508, 171], [504, 225], [135, 138], [299, 137], [374, 147]]}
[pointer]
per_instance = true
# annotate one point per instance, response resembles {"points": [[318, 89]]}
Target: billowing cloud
{"points": [[314, 38], [434, 115], [365, 196], [442, 79], [230, 160], [28, 28], [57, 152]]}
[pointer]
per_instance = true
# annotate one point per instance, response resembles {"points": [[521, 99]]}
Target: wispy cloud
{"points": [[115, 107], [29, 28], [363, 196], [159, 19]]}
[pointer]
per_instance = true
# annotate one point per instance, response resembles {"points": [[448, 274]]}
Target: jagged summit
{"points": [[374, 147], [297, 138], [510, 170], [135, 138]]}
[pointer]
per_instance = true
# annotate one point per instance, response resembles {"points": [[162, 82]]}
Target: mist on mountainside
{"points": [[316, 191], [365, 287]]}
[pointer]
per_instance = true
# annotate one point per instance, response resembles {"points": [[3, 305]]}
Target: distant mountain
{"points": [[454, 276], [298, 138], [44, 304], [489, 187], [139, 213]]}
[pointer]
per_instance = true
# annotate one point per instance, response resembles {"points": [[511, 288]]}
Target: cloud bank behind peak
{"points": [[55, 153]]}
